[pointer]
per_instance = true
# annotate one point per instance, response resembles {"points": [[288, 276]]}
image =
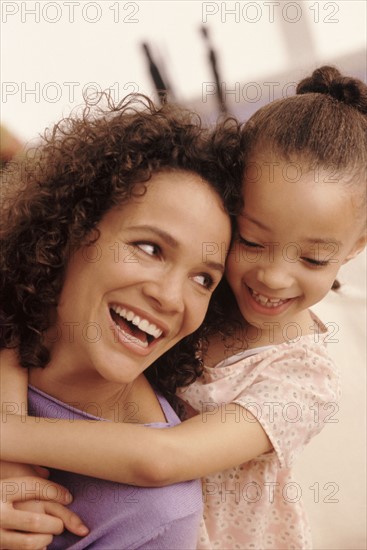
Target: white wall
{"points": [[51, 50]]}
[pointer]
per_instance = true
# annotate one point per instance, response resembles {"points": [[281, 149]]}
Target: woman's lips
{"points": [[134, 331]]}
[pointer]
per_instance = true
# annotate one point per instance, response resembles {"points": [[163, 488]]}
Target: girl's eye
{"points": [[316, 263], [148, 248], [249, 244], [204, 280]]}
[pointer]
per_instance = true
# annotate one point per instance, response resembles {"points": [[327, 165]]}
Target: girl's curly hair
{"points": [[55, 195]]}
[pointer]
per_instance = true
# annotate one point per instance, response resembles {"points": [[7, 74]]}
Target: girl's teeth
{"points": [[264, 301]]}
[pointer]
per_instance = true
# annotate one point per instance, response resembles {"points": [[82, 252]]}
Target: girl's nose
{"points": [[275, 276]]}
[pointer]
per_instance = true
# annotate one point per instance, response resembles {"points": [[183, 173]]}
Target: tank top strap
{"points": [[169, 413]]}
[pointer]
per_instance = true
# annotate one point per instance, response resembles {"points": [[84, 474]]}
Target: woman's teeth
{"points": [[265, 301], [142, 324]]}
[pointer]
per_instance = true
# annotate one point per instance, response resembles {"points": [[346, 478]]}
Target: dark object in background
{"points": [[213, 63], [160, 85]]}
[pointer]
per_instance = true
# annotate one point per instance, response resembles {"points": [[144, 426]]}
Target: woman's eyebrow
{"points": [[166, 237], [173, 243], [216, 266]]}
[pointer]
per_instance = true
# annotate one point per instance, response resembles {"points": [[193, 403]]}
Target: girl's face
{"points": [[294, 233], [145, 283]]}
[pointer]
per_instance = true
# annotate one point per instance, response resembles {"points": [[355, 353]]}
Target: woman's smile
{"points": [[133, 329], [155, 291]]}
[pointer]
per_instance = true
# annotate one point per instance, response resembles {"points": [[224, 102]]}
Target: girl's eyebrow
{"points": [[256, 222], [325, 241]]}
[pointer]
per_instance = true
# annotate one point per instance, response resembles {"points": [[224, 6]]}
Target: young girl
{"points": [[269, 387]]}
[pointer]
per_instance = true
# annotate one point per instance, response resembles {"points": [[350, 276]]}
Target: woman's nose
{"points": [[167, 292]]}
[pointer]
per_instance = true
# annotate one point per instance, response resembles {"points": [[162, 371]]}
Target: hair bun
{"points": [[328, 80]]}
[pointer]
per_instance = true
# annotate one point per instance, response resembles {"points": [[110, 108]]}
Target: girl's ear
{"points": [[357, 248]]}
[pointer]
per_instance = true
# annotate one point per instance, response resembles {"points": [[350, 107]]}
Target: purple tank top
{"points": [[123, 516]]}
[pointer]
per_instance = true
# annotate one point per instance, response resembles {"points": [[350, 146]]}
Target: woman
{"points": [[107, 262]]}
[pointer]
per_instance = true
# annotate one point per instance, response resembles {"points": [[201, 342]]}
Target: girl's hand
{"points": [[32, 510], [17, 469]]}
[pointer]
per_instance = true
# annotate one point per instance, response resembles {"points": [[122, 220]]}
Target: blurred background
{"points": [[53, 52], [215, 57]]}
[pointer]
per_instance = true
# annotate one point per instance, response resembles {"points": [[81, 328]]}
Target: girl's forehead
{"points": [[303, 210], [270, 168]]}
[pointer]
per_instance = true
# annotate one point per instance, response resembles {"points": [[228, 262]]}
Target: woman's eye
{"points": [[247, 243], [316, 263], [149, 248], [204, 280]]}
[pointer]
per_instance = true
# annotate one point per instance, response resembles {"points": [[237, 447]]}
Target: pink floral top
{"points": [[292, 389]]}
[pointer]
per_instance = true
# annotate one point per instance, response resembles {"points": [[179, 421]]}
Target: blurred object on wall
{"points": [[160, 84], [212, 57], [10, 145]]}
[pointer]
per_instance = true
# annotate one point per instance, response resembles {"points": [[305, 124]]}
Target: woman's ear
{"points": [[357, 248]]}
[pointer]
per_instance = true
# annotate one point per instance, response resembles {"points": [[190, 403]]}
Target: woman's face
{"points": [[146, 282]]}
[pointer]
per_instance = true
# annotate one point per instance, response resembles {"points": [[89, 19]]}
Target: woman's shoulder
{"points": [[142, 405]]}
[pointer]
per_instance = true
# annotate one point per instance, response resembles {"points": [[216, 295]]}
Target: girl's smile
{"points": [[292, 238], [267, 305]]}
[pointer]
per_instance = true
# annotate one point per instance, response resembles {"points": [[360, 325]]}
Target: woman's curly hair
{"points": [[54, 197]]}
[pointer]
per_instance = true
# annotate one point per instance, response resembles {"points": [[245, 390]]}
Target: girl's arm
{"points": [[32, 509], [219, 438], [209, 442], [13, 396], [13, 384]]}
